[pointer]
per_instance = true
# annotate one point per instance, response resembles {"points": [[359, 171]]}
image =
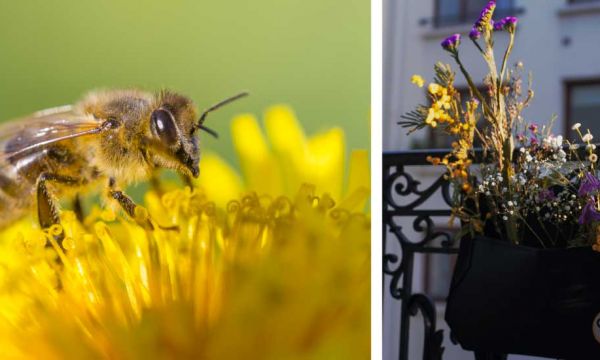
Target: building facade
{"points": [[557, 40]]}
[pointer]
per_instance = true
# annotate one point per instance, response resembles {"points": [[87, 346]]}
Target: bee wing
{"points": [[34, 133]]}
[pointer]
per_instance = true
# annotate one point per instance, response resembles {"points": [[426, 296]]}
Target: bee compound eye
{"points": [[164, 126]]}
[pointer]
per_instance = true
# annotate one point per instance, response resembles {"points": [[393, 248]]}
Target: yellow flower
{"points": [[417, 80], [430, 116], [441, 104], [435, 89], [273, 273], [445, 99]]}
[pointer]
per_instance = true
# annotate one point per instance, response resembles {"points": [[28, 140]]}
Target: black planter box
{"points": [[510, 299]]}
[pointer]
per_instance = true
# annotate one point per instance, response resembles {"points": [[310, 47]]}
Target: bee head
{"points": [[173, 124], [172, 143]]}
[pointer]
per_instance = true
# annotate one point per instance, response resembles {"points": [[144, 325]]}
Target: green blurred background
{"points": [[312, 55]]}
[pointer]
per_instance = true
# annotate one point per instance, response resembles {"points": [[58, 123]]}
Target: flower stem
{"points": [[478, 46], [506, 55], [474, 88]]}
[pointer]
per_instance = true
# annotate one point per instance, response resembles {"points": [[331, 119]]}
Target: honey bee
{"points": [[110, 137]]}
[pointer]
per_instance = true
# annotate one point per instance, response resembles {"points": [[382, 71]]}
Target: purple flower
{"points": [[589, 213], [533, 140], [509, 21], [546, 195], [509, 24], [588, 184], [533, 128], [498, 25], [474, 33], [451, 42], [485, 18]]}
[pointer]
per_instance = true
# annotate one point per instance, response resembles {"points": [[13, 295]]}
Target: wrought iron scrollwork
{"points": [[400, 185], [424, 224], [432, 340]]}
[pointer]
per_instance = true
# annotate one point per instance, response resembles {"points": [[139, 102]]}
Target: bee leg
{"points": [[125, 201], [129, 206], [47, 210], [155, 183], [78, 208], [187, 180]]}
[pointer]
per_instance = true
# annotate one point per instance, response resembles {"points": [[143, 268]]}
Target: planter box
{"points": [[512, 299]]}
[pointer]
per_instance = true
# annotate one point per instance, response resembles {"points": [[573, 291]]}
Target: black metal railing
{"points": [[403, 199], [407, 201]]}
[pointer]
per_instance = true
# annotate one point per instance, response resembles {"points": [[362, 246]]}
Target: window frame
{"points": [[569, 84], [575, 2], [463, 17]]}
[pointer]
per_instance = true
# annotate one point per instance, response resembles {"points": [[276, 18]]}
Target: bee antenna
{"points": [[208, 130], [215, 107]]}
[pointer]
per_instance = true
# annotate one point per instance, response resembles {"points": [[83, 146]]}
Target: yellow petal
{"points": [[359, 181], [359, 173], [289, 145], [326, 162], [261, 172], [219, 179]]}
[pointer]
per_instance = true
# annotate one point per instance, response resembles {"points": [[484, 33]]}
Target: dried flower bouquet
{"points": [[536, 184]]}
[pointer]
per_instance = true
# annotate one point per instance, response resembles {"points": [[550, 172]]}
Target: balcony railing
{"points": [[408, 203], [402, 200]]}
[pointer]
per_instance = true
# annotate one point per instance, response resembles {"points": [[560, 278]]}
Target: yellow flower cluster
{"points": [[417, 80], [262, 274], [458, 168], [441, 103], [445, 110]]}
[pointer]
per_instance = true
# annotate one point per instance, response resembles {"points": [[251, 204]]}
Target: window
{"points": [[583, 106], [454, 12], [581, 1]]}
